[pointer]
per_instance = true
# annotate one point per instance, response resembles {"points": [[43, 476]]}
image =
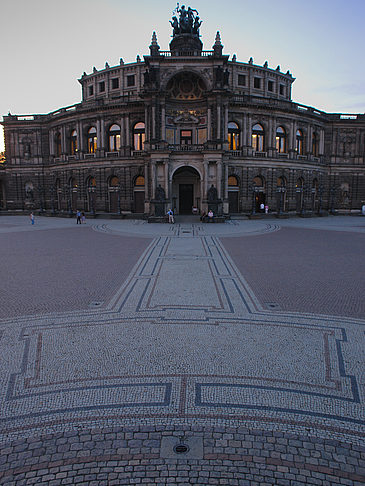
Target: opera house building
{"points": [[183, 128]]}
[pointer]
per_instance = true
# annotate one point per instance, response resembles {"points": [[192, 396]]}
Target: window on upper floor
{"points": [[131, 80], [299, 142], [139, 136], [270, 85], [186, 137], [139, 181], [91, 89], [232, 181], [258, 138], [280, 140], [58, 144], [101, 86], [91, 140], [233, 136], [115, 83], [282, 90], [315, 144], [114, 138], [241, 80], [257, 83], [73, 142]]}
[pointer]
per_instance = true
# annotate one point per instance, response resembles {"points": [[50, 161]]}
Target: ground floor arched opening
{"points": [[186, 190]]}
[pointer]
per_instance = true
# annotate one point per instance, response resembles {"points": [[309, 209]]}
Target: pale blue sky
{"points": [[45, 45]]}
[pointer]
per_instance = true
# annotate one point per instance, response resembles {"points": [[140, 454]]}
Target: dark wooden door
{"points": [[186, 195]]}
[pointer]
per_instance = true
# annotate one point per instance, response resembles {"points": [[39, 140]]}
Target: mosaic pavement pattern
{"points": [[184, 341]]}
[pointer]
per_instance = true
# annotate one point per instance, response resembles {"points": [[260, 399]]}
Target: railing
{"points": [[192, 53], [260, 154], [186, 148]]}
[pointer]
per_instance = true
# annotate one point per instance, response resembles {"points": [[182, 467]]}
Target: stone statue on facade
{"points": [[160, 193], [188, 22], [212, 194]]}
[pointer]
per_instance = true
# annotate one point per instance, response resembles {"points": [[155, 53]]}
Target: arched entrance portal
{"points": [[186, 190]]}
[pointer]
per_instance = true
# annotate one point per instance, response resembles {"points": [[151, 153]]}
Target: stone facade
{"points": [[162, 131]]}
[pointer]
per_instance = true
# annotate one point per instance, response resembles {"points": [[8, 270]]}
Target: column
{"points": [[98, 133], [51, 142], [209, 124], [226, 122], [63, 140], [153, 123], [80, 138], [163, 123], [122, 132], [153, 179], [166, 177], [146, 124], [146, 186], [206, 178], [126, 121], [219, 179], [219, 123], [309, 139], [292, 138], [226, 181], [102, 129], [321, 142], [243, 133]]}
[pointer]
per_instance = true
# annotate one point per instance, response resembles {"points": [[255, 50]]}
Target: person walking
{"points": [[31, 217], [83, 217], [78, 217]]}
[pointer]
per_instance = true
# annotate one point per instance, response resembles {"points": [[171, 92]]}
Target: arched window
{"points": [[73, 184], [232, 181], [91, 140], [300, 184], [315, 144], [233, 136], [139, 136], [114, 138], [258, 138], [91, 182], [280, 140], [299, 144], [281, 182], [73, 143], [258, 181], [113, 181], [58, 144], [139, 182]]}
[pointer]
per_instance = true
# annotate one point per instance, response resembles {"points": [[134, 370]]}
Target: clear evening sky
{"points": [[46, 45]]}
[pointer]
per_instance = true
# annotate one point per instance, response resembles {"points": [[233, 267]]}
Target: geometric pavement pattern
{"points": [[184, 340]]}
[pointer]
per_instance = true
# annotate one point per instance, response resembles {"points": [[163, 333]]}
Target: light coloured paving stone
{"points": [[184, 340]]}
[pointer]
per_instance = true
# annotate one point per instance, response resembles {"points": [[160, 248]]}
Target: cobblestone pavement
{"points": [[182, 354]]}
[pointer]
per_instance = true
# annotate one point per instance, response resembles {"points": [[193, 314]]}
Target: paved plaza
{"points": [[136, 353]]}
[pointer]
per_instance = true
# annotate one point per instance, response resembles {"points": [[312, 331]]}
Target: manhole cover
{"points": [[181, 449]]}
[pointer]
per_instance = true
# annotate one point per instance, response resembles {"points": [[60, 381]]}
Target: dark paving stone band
{"points": [[180, 455]]}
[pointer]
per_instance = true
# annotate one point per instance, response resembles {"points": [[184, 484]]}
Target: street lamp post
{"points": [[91, 190], [53, 191], [333, 190], [254, 190], [40, 194], [119, 191], [320, 192], [281, 191]]}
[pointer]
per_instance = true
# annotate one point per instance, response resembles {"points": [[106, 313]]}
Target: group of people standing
{"points": [[80, 217]]}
